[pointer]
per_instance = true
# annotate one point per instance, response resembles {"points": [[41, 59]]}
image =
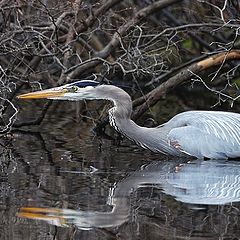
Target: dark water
{"points": [[59, 181]]}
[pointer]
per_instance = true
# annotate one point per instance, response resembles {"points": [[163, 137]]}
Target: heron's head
{"points": [[85, 89]]}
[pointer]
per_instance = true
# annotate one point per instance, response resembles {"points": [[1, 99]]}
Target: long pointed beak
{"points": [[51, 215], [31, 212], [50, 93]]}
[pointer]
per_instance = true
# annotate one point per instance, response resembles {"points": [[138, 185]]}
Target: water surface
{"points": [[60, 181]]}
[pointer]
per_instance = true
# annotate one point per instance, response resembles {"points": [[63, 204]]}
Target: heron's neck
{"points": [[120, 115], [154, 139]]}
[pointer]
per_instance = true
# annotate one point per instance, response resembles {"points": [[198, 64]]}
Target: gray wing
{"points": [[206, 134]]}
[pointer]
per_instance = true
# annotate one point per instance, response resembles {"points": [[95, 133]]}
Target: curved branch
{"points": [[106, 51], [11, 120], [184, 75], [82, 27]]}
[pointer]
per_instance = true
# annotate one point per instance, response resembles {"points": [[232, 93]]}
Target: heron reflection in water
{"points": [[213, 182], [210, 134]]}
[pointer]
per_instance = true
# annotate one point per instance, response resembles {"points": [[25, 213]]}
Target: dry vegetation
{"points": [[150, 45]]}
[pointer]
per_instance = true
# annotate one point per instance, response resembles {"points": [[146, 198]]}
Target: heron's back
{"points": [[210, 134]]}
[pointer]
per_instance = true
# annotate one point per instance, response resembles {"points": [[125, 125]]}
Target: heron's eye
{"points": [[73, 89]]}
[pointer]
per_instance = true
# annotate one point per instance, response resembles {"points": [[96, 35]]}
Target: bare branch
{"points": [[104, 53], [184, 75]]}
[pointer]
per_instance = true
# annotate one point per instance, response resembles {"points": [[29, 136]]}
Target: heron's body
{"points": [[200, 134]]}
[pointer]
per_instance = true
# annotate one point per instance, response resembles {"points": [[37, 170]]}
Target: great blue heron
{"points": [[210, 134]]}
